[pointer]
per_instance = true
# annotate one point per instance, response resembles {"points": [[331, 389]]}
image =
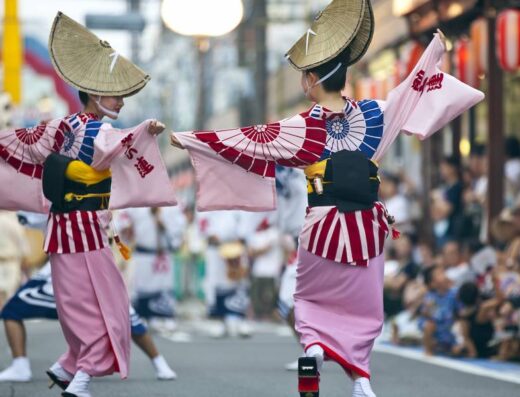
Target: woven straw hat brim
{"points": [[231, 250], [90, 64], [343, 23], [359, 46]]}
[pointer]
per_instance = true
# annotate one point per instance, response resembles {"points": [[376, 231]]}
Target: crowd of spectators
{"points": [[458, 291]]}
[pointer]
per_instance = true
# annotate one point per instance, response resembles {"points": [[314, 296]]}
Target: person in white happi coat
{"points": [[221, 227], [157, 233], [292, 203]]}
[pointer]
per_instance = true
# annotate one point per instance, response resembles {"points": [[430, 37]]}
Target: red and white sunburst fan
{"points": [[297, 141], [24, 148]]}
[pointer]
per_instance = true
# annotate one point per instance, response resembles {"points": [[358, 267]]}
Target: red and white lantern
{"points": [[465, 63], [379, 89], [479, 38], [364, 88], [410, 55], [508, 39]]}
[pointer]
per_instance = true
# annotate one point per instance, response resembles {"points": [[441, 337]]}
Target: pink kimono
{"points": [[338, 299], [91, 297]]}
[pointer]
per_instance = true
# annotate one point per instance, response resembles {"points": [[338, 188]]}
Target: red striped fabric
{"points": [[73, 232], [350, 238]]}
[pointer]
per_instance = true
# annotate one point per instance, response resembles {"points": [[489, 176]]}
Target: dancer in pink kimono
{"points": [[81, 167], [339, 291]]}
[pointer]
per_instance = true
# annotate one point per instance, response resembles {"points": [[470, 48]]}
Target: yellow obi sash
{"points": [[80, 172]]}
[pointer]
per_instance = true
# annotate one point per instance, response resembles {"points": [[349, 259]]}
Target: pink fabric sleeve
{"points": [[139, 176], [22, 152], [426, 101], [235, 168]]}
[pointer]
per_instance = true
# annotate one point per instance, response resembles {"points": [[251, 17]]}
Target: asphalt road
{"points": [[245, 368]]}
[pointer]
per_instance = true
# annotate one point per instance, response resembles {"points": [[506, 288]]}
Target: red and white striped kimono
{"points": [[91, 297], [338, 299]]}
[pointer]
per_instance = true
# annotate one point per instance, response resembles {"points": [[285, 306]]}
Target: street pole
{"points": [[203, 46], [260, 22], [134, 6], [495, 98]]}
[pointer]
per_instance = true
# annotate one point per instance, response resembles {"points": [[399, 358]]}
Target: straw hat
{"points": [[232, 250], [90, 64], [344, 23]]}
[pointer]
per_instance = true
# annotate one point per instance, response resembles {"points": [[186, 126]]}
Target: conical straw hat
{"points": [[343, 23], [90, 64]]}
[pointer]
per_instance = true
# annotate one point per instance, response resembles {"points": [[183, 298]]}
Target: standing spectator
{"points": [[266, 255], [512, 169], [195, 246], [475, 195], [157, 233], [447, 206], [13, 251], [396, 203]]}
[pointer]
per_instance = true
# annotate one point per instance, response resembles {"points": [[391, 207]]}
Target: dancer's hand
{"points": [[443, 39], [156, 127], [175, 142]]}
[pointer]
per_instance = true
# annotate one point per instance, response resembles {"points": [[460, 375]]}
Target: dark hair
{"points": [[337, 81], [428, 274], [512, 147], [468, 293], [452, 161], [83, 97], [478, 149]]}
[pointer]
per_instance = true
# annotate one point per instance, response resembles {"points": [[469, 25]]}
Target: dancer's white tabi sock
{"points": [[362, 388], [316, 351], [79, 385], [162, 369], [60, 372]]}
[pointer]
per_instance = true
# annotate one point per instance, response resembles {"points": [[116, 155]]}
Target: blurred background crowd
{"points": [[452, 280]]}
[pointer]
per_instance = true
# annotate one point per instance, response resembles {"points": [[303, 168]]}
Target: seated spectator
{"points": [[438, 312], [402, 269], [457, 269], [507, 288], [476, 318]]}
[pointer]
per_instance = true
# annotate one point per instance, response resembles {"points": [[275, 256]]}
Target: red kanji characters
{"points": [[435, 82], [143, 166], [127, 143], [419, 81]]}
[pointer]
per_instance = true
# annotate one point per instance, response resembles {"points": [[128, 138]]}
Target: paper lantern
{"points": [[508, 39], [465, 62], [479, 38]]}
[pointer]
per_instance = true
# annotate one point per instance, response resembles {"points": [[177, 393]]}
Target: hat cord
{"points": [[329, 75]]}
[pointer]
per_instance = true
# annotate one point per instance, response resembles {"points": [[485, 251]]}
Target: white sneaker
{"points": [[18, 371], [158, 324], [245, 330], [79, 385], [162, 369], [362, 388], [292, 366]]}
